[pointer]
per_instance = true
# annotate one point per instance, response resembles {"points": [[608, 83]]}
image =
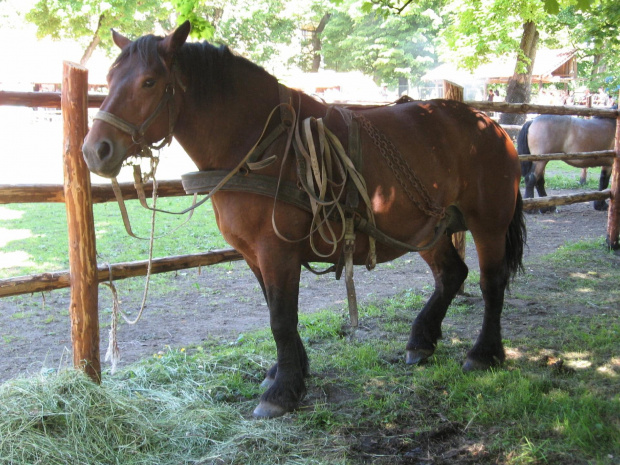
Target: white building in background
{"points": [[550, 66], [334, 87]]}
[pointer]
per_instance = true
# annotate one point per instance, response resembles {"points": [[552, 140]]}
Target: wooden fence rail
{"points": [[43, 99], [61, 279], [74, 102], [503, 107], [568, 156], [101, 193]]}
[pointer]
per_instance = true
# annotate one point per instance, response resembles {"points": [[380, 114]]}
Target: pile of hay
{"points": [[159, 412]]}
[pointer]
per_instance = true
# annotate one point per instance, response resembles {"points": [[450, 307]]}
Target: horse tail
{"points": [[523, 148], [516, 238]]}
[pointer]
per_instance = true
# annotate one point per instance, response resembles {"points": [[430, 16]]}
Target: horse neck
{"points": [[217, 134]]}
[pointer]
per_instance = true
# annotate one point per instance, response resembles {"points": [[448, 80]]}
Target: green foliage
{"points": [[551, 7], [481, 30], [187, 10], [255, 28], [385, 47], [597, 36], [83, 20]]}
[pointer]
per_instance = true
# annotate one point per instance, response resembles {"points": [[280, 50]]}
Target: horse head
{"points": [[142, 103]]}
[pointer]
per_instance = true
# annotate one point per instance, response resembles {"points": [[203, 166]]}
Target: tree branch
{"points": [[93, 43]]}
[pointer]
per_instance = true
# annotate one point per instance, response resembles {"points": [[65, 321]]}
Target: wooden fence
{"points": [[84, 275], [79, 196], [613, 214]]}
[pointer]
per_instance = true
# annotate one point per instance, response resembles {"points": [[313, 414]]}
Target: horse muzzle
{"points": [[103, 156]]}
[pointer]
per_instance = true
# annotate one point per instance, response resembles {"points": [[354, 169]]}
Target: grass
{"points": [[555, 401], [35, 236], [559, 175]]}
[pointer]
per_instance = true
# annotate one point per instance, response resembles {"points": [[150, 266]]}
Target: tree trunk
{"points": [[316, 42], [93, 43], [520, 85], [599, 68]]}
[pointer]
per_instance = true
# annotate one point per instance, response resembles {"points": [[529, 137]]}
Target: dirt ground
{"points": [[225, 302]]}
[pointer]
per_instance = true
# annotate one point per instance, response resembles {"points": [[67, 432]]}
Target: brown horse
{"points": [[217, 104], [565, 134]]}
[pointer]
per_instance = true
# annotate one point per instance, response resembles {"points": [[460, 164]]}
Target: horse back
{"points": [[567, 134], [458, 154], [445, 140]]}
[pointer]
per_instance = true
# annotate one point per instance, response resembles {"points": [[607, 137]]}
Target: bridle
{"points": [[137, 132]]}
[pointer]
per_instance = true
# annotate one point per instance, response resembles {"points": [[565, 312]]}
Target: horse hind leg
{"points": [[449, 272], [542, 192], [603, 183], [488, 350], [530, 183]]}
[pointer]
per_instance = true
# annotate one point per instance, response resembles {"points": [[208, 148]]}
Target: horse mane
{"points": [[145, 49], [205, 66]]}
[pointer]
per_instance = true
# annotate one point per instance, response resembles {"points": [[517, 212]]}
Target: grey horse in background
{"points": [[565, 134]]}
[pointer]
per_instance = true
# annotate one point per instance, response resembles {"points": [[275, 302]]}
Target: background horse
{"points": [[217, 105], [565, 134]]}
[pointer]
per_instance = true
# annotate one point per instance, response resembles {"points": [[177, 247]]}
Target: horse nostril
{"points": [[104, 150]]}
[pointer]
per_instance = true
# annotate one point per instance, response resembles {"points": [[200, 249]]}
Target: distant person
{"points": [[490, 96], [602, 99], [587, 98], [384, 93]]}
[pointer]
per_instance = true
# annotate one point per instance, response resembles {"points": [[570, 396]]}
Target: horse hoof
{"points": [[475, 365], [266, 410], [415, 357], [267, 382]]}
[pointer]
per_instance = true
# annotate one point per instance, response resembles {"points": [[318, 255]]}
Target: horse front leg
{"points": [[280, 282], [603, 183]]}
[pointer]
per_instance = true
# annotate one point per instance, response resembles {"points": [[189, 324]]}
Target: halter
{"points": [[137, 132]]}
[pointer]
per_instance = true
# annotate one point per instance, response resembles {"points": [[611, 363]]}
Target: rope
{"points": [[316, 168], [113, 353]]}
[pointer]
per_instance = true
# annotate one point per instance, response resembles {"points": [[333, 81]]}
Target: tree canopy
{"points": [[387, 47], [387, 39], [89, 21]]}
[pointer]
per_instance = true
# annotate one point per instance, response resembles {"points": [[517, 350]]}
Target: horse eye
{"points": [[148, 83]]}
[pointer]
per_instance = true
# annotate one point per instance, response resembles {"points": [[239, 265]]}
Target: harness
{"points": [[315, 180], [137, 132], [315, 192]]}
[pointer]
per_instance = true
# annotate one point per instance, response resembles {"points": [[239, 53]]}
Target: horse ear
{"points": [[119, 39], [173, 42]]}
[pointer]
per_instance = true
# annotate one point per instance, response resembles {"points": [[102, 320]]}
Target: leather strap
{"points": [[200, 182]]}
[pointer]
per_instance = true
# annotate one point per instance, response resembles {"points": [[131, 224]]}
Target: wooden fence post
{"points": [[613, 214], [453, 91], [80, 221]]}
